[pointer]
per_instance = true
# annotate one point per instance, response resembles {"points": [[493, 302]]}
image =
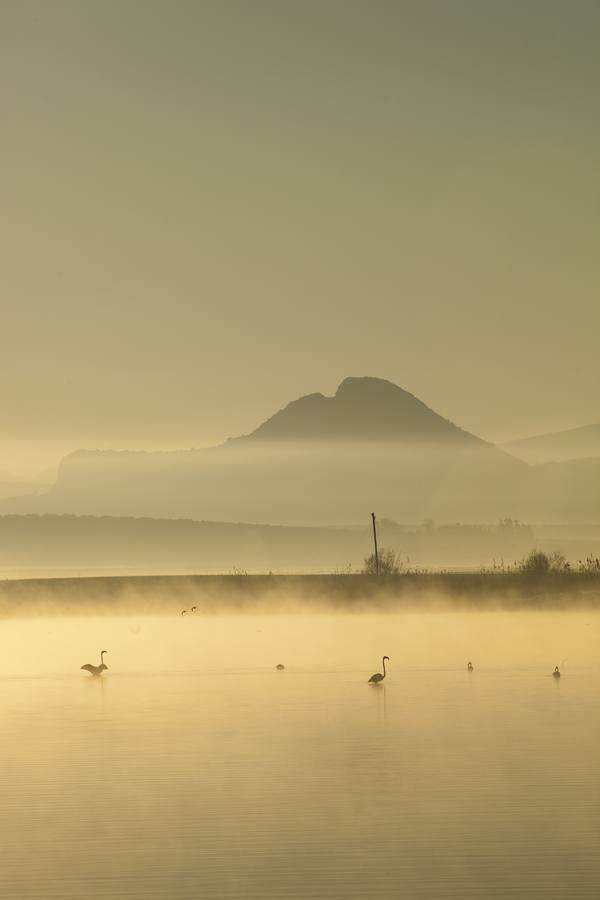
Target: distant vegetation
{"points": [[589, 566], [386, 563], [48, 544], [540, 564], [537, 564]]}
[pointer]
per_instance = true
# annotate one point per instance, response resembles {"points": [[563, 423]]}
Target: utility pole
{"points": [[375, 543]]}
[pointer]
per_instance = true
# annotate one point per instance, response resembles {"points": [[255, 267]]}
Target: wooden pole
{"points": [[375, 543]]}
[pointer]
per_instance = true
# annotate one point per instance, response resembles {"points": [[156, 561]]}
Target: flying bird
{"points": [[96, 670], [377, 677]]}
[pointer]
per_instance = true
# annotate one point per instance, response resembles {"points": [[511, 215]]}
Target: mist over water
{"points": [[193, 768]]}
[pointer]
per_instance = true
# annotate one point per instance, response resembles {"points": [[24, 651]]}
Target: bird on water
{"points": [[280, 666], [377, 677], [96, 670], [556, 673], [470, 666]]}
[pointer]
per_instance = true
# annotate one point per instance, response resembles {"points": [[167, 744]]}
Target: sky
{"points": [[212, 208]]}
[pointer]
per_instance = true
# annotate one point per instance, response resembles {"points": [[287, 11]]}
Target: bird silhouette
{"points": [[280, 666], [470, 666], [377, 677], [556, 673], [96, 670]]}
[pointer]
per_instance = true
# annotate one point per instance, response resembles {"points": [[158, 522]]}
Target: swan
{"points": [[556, 673], [377, 677], [280, 666], [470, 666], [96, 670]]}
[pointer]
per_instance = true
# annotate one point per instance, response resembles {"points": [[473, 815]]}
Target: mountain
{"points": [[362, 409], [558, 446], [326, 460]]}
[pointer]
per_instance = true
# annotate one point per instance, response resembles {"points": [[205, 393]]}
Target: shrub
{"points": [[540, 563], [389, 563]]}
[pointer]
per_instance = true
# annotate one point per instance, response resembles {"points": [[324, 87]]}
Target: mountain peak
{"points": [[367, 389], [362, 409]]}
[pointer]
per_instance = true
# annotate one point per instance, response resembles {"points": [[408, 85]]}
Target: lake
{"points": [[194, 769]]}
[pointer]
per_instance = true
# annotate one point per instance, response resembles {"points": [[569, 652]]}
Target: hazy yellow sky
{"points": [[210, 208]]}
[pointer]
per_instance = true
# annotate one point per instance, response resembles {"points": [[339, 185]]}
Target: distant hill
{"points": [[324, 460], [558, 446], [51, 545], [319, 460], [362, 409], [67, 544]]}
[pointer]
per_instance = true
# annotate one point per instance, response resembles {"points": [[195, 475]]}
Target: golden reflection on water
{"points": [[192, 768]]}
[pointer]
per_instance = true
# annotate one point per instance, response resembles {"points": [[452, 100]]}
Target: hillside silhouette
{"points": [[558, 446], [325, 460], [362, 409]]}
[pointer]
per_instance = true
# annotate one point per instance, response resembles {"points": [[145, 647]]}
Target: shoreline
{"points": [[337, 593]]}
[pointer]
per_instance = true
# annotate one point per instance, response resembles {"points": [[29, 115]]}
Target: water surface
{"points": [[193, 769]]}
